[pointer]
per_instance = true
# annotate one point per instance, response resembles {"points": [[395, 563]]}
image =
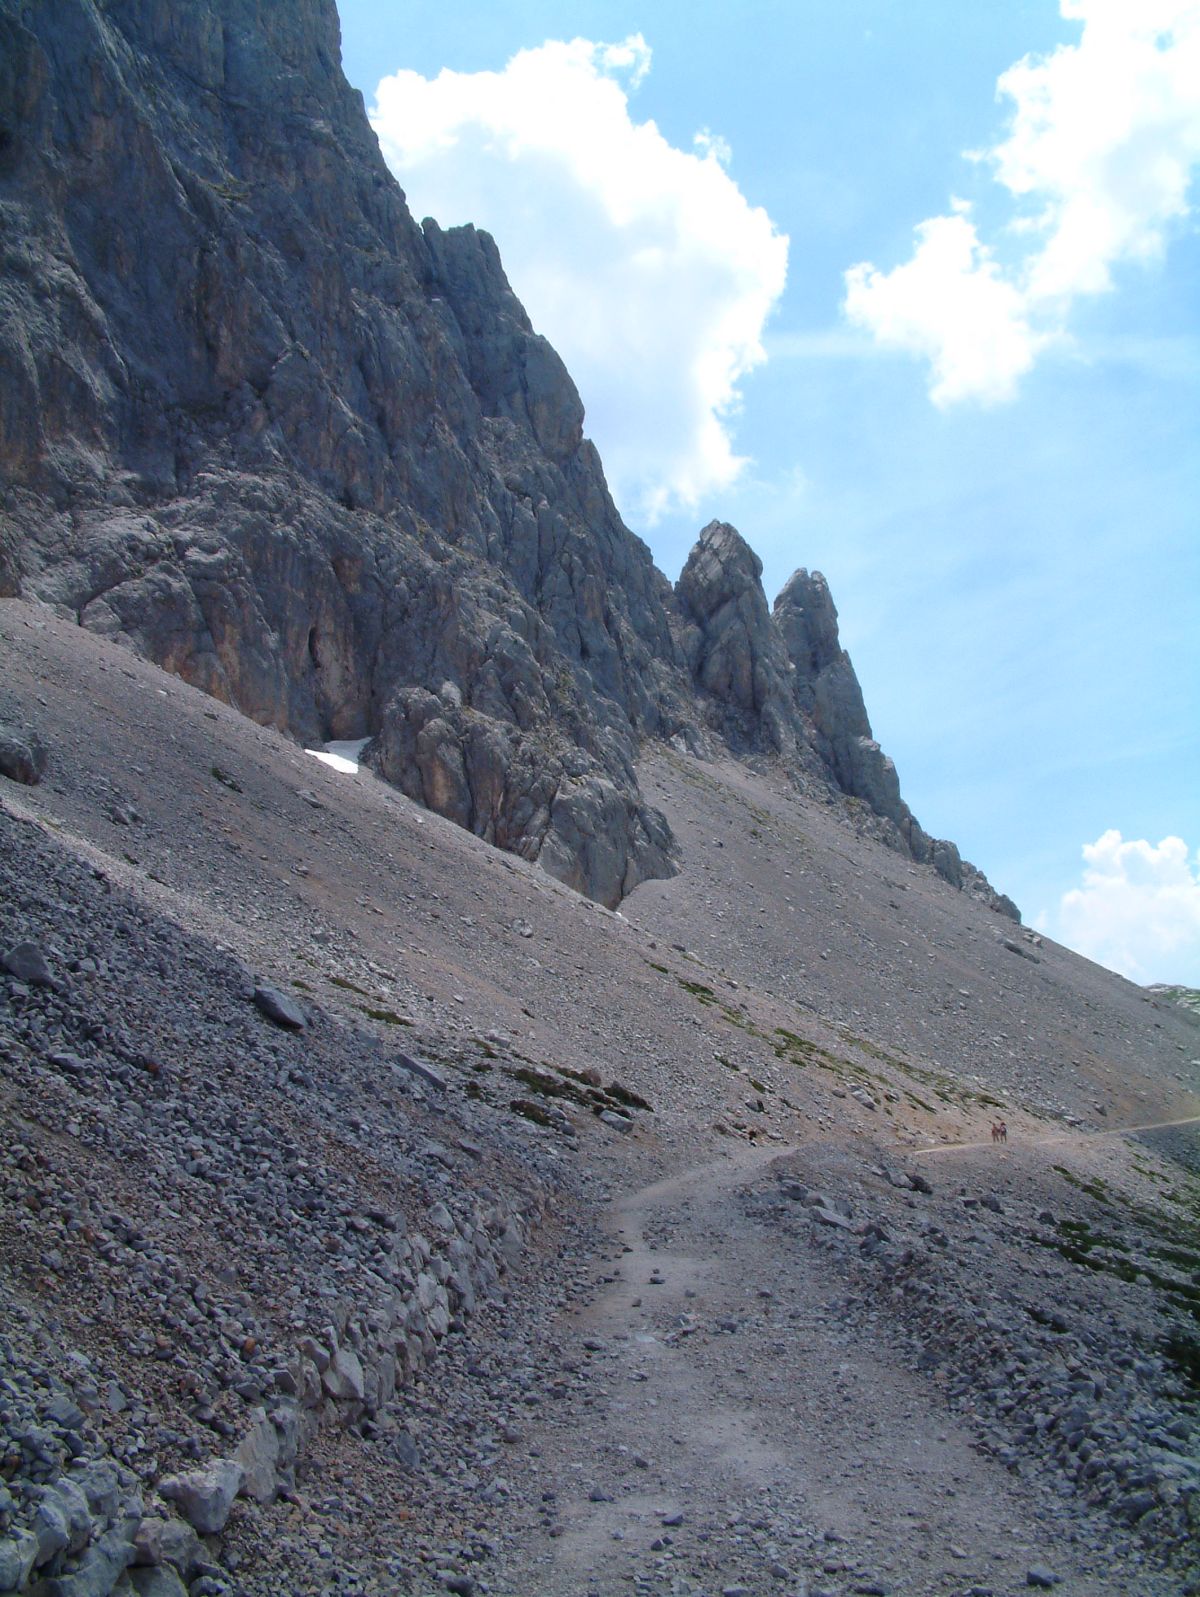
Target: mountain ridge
{"points": [[314, 458]]}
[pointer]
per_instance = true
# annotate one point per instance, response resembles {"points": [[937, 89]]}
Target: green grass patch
{"points": [[1081, 1234], [533, 1111], [1078, 1246], [699, 991], [626, 1096], [350, 987], [542, 1082], [1095, 1188], [919, 1103], [388, 1017], [1184, 1258]]}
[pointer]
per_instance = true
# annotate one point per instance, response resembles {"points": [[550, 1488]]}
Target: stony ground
{"points": [[736, 1293]]}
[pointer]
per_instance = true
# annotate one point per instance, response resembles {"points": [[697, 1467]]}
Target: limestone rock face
{"points": [[828, 695], [266, 430], [260, 426], [735, 654]]}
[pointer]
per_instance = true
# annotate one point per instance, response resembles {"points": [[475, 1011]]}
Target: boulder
{"points": [[280, 1008], [418, 1067], [258, 1455], [26, 962], [168, 1540], [157, 1582], [18, 1554], [22, 757], [205, 1496]]}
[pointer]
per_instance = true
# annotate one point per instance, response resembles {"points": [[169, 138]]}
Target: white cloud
{"points": [[951, 304], [1138, 910], [1102, 144], [644, 265]]}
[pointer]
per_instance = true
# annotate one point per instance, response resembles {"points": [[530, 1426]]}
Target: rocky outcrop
{"points": [[258, 424], [22, 757], [526, 790], [265, 429], [829, 700], [780, 682], [734, 653], [828, 696]]}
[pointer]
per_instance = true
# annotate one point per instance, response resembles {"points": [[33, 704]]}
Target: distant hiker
{"points": [[999, 1131]]}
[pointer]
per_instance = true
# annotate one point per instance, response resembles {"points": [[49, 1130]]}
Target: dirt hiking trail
{"points": [[737, 1436]]}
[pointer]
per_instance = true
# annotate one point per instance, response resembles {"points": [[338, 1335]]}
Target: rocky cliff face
{"points": [[313, 458]]}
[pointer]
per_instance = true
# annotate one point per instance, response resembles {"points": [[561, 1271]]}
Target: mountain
{"points": [[541, 1224], [314, 459], [602, 1145]]}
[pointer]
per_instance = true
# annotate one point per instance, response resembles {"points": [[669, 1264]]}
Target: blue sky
{"points": [[987, 436]]}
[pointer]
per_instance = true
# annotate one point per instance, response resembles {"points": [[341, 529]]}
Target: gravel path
{"points": [[1074, 1138], [737, 1435]]}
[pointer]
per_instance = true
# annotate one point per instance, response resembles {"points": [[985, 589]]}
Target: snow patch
{"points": [[342, 755]]}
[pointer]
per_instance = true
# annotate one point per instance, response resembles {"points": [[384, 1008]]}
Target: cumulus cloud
{"points": [[951, 304], [1102, 144], [1137, 910], [644, 264]]}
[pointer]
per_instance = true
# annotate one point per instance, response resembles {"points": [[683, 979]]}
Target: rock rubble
{"points": [[178, 1377]]}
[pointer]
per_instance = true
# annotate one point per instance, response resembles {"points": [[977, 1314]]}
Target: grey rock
{"points": [[344, 1378], [418, 1067], [1015, 947], [50, 1527], [1042, 1577], [63, 1411], [99, 1569], [168, 1540], [425, 508], [71, 1501], [22, 757], [258, 1454], [29, 964], [100, 1486], [280, 1008], [736, 656], [157, 1582], [833, 718], [831, 1217], [205, 1496], [18, 1554]]}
